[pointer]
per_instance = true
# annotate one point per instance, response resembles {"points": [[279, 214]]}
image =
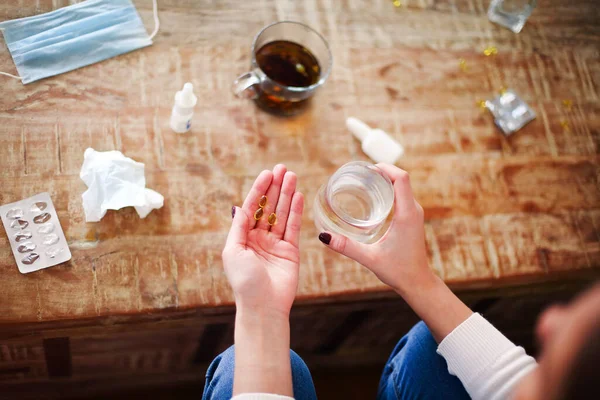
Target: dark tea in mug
{"points": [[289, 64], [290, 61]]}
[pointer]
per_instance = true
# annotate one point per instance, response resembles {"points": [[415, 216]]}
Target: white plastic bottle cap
{"points": [[358, 128], [377, 144], [185, 98]]}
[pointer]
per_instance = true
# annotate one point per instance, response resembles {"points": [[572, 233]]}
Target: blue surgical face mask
{"points": [[72, 37]]}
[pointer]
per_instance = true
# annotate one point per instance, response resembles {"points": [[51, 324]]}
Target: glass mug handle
{"points": [[245, 86]]}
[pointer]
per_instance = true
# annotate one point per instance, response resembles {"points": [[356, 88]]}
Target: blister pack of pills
{"points": [[34, 232]]}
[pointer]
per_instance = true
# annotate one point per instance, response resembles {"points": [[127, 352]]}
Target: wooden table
{"points": [[499, 211]]}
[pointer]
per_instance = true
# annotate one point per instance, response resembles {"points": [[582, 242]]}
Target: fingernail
{"points": [[325, 237], [232, 212]]}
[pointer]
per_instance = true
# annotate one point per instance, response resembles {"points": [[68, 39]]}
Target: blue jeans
{"points": [[416, 371], [219, 378], [413, 371]]}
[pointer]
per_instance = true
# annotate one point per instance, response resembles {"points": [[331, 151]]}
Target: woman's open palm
{"points": [[262, 261]]}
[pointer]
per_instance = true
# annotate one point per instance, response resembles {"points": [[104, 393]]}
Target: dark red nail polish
{"points": [[232, 212], [325, 237]]}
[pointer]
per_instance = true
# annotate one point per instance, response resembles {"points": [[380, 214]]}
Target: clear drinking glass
{"points": [[511, 14], [356, 202], [275, 96]]}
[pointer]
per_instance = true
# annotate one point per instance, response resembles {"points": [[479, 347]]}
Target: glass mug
{"points": [[289, 62], [356, 202]]}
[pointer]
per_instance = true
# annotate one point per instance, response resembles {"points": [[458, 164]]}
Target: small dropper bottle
{"points": [[377, 144], [183, 109]]}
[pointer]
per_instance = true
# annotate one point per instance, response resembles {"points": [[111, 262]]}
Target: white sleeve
{"points": [[261, 396], [486, 362]]}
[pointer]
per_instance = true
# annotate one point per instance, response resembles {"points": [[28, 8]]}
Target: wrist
{"points": [[262, 351], [261, 317], [424, 281], [261, 313]]}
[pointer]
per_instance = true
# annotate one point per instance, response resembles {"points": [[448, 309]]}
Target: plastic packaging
{"points": [[183, 109], [34, 233], [510, 112], [377, 144]]}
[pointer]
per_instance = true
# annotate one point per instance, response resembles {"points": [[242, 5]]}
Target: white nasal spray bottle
{"points": [[183, 109], [377, 144]]}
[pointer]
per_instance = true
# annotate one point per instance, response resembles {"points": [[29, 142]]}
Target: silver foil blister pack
{"points": [[34, 232]]}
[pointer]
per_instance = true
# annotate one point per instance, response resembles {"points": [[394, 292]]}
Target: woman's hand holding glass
{"points": [[399, 258]]}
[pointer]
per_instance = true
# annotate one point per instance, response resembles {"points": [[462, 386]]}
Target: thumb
{"points": [[239, 228], [346, 246]]}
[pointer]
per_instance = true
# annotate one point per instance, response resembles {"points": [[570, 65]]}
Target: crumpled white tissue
{"points": [[115, 181]]}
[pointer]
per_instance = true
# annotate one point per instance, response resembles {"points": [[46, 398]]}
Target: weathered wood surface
{"points": [[499, 210]]}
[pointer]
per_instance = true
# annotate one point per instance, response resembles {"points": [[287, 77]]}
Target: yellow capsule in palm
{"points": [[262, 202]]}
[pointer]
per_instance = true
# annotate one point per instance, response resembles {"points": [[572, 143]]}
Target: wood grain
{"points": [[499, 210]]}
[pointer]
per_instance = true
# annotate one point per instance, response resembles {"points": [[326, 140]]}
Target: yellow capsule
{"points": [[503, 90], [481, 104], [397, 3], [565, 125], [262, 202], [272, 219], [567, 103], [258, 214], [462, 63], [490, 51]]}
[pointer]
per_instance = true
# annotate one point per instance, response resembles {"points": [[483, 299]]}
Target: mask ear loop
{"points": [[11, 75], [156, 28], [156, 20]]}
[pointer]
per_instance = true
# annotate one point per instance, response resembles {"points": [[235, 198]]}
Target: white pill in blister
{"points": [[38, 206], [50, 239], [15, 213], [54, 251], [46, 228]]}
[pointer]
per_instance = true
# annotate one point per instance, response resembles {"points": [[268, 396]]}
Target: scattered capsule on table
{"points": [[258, 214], [272, 219], [262, 202], [490, 51]]}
